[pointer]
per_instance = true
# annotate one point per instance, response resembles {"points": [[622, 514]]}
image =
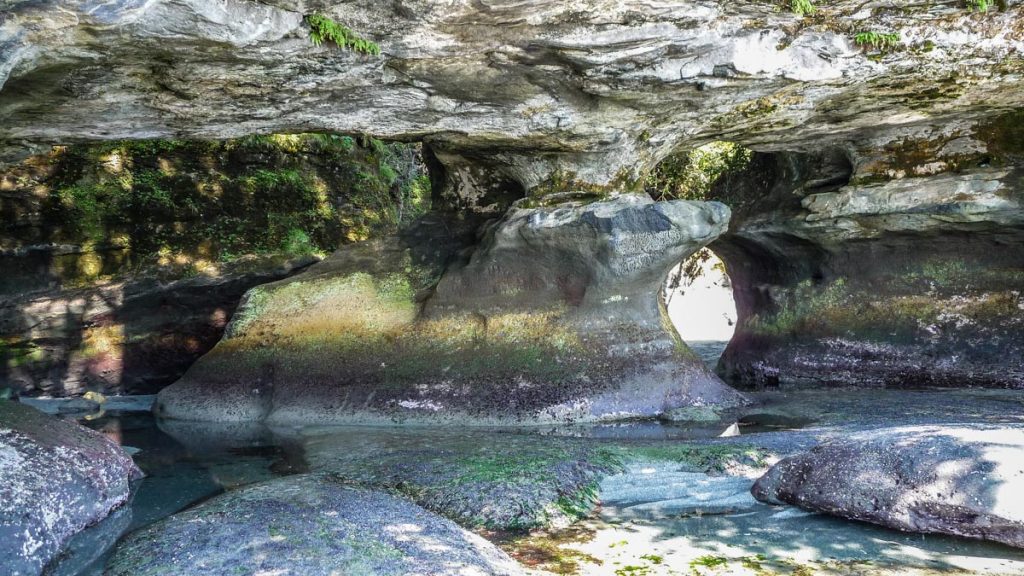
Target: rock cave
{"points": [[325, 287]]}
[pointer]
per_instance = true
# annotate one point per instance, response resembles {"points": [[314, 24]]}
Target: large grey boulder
{"points": [[554, 317], [308, 525], [56, 478], [959, 480]]}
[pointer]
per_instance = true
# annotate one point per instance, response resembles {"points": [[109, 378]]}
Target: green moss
{"points": [[1004, 137], [335, 323], [709, 561], [895, 308], [758, 110], [15, 352], [323, 29], [518, 483], [690, 175], [550, 551], [753, 562], [563, 185], [186, 205]]}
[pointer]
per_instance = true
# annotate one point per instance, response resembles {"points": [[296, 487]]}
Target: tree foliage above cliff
{"points": [[690, 175]]}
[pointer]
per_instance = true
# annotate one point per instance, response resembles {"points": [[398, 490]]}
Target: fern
{"points": [[323, 29], [803, 7], [877, 40]]}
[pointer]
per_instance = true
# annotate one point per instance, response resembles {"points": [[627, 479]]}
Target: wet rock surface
{"points": [[485, 480], [676, 495], [308, 525], [958, 480], [56, 478], [658, 489], [554, 316]]}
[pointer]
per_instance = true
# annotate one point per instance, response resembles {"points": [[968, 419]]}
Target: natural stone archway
{"points": [[555, 316], [900, 268], [574, 102]]}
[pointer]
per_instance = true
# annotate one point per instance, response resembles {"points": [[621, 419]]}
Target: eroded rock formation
{"points": [[558, 101], [899, 264], [554, 316], [546, 92]]}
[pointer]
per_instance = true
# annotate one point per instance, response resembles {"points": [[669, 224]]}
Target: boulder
{"points": [[307, 525], [480, 479], [958, 480], [56, 479], [554, 316]]}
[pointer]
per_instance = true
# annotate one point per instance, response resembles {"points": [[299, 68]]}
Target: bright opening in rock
{"points": [[698, 292], [698, 295]]}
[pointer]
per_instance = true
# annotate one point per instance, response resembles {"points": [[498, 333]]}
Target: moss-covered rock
{"points": [[902, 272], [499, 481], [307, 524], [555, 316]]}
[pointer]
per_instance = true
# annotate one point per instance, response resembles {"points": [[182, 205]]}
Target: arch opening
{"points": [[699, 299], [698, 293]]}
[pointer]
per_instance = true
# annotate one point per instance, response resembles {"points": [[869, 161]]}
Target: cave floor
{"points": [[680, 506]]}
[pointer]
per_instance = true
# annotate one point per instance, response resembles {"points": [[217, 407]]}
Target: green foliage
{"points": [[691, 175], [709, 561], [185, 202], [802, 7], [978, 5], [878, 40], [323, 29]]}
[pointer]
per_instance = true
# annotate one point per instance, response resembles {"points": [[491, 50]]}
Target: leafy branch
{"points": [[323, 29], [805, 7], [878, 40]]}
